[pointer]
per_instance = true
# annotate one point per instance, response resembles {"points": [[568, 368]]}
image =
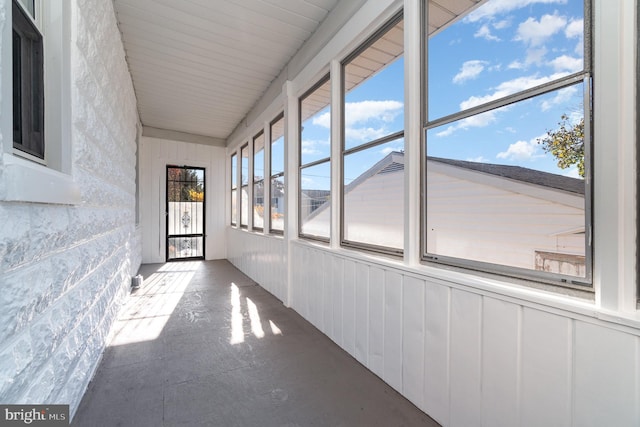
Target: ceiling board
{"points": [[200, 66]]}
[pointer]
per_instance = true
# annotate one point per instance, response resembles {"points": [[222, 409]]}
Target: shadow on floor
{"points": [[200, 344]]}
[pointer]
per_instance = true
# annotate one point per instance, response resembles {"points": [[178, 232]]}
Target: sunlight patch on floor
{"points": [[148, 310], [239, 313]]}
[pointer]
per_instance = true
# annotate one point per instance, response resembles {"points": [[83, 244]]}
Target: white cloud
{"points": [[509, 87], [573, 173], [479, 159], [561, 98], [501, 25], [503, 89], [566, 63], [516, 65], [496, 7], [313, 147], [387, 150], [520, 150], [363, 111], [323, 120], [485, 33], [477, 121], [364, 134], [574, 29], [469, 71], [367, 120], [448, 131], [523, 150], [375, 114], [535, 33], [535, 56]]}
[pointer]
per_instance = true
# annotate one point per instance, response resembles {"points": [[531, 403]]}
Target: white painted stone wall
{"points": [[65, 269]]}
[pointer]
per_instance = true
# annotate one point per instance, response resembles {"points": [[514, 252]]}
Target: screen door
{"points": [[185, 213]]}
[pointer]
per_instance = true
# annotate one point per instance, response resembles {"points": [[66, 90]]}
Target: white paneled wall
{"points": [[262, 258], [464, 356], [468, 350], [155, 155]]}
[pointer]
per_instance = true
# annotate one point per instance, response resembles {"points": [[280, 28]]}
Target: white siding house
{"points": [[465, 213]]}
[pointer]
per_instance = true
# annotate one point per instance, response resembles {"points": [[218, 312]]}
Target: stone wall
{"points": [[65, 269]]}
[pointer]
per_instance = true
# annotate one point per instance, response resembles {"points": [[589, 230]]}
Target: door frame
{"points": [[204, 215]]}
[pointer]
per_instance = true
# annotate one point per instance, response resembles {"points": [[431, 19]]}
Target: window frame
{"points": [[585, 76], [272, 176], [637, 38], [234, 187], [322, 81], [28, 90], [344, 152], [254, 181], [244, 187], [26, 178]]}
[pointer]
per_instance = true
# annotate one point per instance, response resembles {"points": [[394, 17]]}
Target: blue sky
{"points": [[502, 47]]}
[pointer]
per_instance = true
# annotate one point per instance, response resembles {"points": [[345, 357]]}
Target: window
{"points": [[28, 83], [37, 159], [276, 174], [373, 143], [244, 186], [234, 189], [638, 158], [258, 181], [507, 141], [314, 199]]}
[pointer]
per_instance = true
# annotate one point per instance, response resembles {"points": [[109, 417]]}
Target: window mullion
{"points": [[336, 153]]}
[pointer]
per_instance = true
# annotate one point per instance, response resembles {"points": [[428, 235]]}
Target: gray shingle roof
{"points": [[518, 173]]}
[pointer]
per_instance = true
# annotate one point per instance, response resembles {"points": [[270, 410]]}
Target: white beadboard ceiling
{"points": [[199, 66]]}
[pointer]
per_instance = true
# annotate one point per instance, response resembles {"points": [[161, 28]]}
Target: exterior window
{"points": [[373, 146], [314, 200], [244, 186], [234, 189], [277, 175], [258, 181], [28, 83], [507, 142]]}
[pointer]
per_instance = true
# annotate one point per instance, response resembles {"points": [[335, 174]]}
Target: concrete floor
{"points": [[200, 344]]}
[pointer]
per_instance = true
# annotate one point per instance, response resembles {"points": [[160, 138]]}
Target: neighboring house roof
{"points": [[518, 173], [394, 162], [316, 194]]}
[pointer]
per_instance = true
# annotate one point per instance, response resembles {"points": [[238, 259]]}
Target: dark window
{"points": [[28, 85]]}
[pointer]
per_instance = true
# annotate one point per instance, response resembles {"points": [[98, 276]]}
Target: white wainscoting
{"points": [[262, 258], [466, 357]]}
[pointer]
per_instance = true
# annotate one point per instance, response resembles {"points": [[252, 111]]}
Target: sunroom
{"points": [[444, 189]]}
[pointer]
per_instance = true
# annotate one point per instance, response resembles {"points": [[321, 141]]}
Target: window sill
{"points": [[26, 181]]}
